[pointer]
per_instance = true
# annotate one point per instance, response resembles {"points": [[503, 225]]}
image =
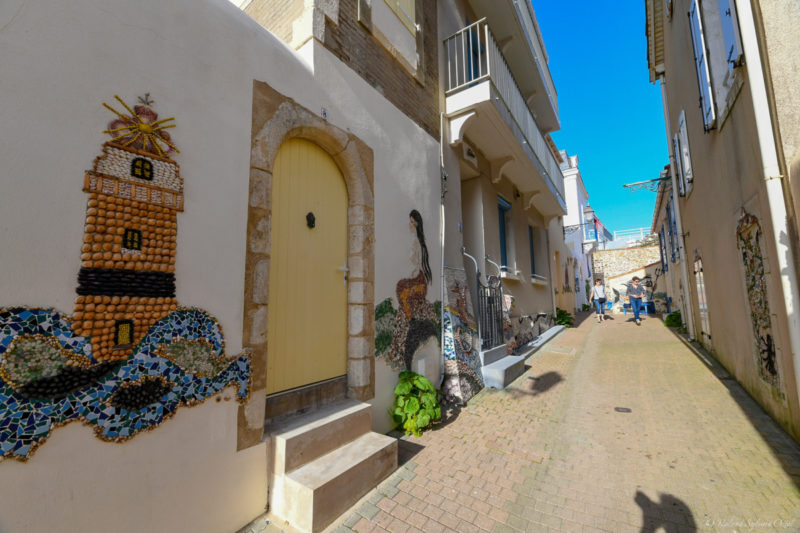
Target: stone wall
{"points": [[611, 263], [352, 38]]}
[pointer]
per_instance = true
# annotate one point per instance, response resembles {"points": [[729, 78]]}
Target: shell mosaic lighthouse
{"points": [[127, 275], [129, 355]]}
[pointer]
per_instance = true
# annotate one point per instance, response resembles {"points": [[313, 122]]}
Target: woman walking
{"points": [[599, 299]]}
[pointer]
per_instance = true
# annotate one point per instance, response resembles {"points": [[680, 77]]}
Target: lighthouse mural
{"points": [[129, 355], [127, 277]]}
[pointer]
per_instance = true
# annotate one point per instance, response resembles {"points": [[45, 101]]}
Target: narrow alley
{"points": [[612, 427]]}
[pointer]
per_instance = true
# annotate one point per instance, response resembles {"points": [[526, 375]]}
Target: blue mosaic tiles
{"points": [[25, 423]]}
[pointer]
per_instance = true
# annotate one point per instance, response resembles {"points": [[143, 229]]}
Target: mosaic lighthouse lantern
{"points": [[126, 281]]}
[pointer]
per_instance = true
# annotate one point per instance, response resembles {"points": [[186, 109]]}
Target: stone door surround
{"points": [[277, 118]]}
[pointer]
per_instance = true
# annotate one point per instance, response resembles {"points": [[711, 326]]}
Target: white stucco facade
{"points": [[198, 61], [576, 225]]}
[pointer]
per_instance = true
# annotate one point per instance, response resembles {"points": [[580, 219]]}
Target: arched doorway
{"points": [[307, 323]]}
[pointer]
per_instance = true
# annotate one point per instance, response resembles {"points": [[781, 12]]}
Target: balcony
{"points": [[514, 25], [484, 102]]}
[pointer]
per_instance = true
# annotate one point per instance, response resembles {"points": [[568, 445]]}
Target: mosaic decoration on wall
{"points": [[128, 356], [400, 332], [748, 238], [462, 363]]}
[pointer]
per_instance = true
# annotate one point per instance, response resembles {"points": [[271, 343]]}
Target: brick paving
{"points": [[613, 427]]}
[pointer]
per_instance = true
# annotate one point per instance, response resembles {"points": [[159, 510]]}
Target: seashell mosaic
{"points": [[128, 356]]}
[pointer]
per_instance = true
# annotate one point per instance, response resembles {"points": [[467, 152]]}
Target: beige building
{"points": [[735, 169], [504, 188]]}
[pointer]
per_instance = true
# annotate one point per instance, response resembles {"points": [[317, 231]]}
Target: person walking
{"points": [[635, 294], [599, 298]]}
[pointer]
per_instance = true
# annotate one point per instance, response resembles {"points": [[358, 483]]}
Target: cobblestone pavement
{"points": [[613, 427]]}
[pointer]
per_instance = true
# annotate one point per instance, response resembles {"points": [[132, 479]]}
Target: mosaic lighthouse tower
{"points": [[127, 278]]}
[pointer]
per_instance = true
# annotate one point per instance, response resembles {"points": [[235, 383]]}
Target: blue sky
{"points": [[611, 115]]}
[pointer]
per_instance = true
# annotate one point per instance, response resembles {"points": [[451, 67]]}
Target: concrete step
{"points": [[303, 439], [502, 372], [317, 493], [494, 354]]}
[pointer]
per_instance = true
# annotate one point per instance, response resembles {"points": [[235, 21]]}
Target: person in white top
{"points": [[599, 298]]}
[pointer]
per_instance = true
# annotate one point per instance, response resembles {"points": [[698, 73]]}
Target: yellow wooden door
{"points": [[307, 326]]}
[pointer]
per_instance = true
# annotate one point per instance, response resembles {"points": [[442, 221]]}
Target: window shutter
{"points": [[701, 64], [530, 243], [676, 148], [730, 32], [686, 159]]}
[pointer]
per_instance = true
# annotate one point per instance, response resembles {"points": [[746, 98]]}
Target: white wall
{"points": [[198, 60], [185, 476]]}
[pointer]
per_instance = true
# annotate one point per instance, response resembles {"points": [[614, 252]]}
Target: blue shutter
{"points": [[502, 208], [530, 243], [730, 32], [701, 64]]}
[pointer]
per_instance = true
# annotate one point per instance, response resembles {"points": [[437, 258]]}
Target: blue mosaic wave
{"points": [[25, 423]]}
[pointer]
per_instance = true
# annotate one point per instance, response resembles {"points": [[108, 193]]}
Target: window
{"points": [[683, 159], [701, 64], [530, 244], [702, 303], [405, 11], [504, 220], [142, 168], [730, 33], [718, 51], [123, 333], [132, 240], [662, 242]]}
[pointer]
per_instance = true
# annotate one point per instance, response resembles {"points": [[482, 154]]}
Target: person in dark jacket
{"points": [[636, 293]]}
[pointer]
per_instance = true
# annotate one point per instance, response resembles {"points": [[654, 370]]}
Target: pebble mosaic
{"points": [[25, 422]]}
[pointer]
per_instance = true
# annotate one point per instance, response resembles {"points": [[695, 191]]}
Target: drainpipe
{"points": [[773, 180], [443, 184], [677, 209]]}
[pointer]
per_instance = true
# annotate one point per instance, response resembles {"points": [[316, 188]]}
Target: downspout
{"points": [[772, 180], [443, 185], [677, 209]]}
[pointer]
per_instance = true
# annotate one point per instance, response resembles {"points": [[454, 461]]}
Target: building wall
{"points": [[198, 64], [277, 16], [727, 186], [777, 19], [610, 263], [346, 29]]}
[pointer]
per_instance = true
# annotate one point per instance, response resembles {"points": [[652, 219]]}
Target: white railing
{"points": [[472, 57], [631, 235]]}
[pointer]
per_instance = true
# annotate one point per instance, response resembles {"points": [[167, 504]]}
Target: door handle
{"points": [[344, 270]]}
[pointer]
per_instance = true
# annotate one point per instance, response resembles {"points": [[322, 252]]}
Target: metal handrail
{"points": [[472, 57]]}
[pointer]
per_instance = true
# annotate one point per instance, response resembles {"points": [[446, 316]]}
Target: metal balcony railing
{"points": [[472, 57]]}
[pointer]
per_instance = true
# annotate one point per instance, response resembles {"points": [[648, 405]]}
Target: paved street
{"points": [[612, 428]]}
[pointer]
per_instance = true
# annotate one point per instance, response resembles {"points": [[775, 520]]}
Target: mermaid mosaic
{"points": [[399, 333], [128, 356]]}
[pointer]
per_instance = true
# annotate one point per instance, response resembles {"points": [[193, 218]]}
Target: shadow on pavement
{"points": [[670, 514], [783, 447], [406, 450], [532, 386], [580, 317]]}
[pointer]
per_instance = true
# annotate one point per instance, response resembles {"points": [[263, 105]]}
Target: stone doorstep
{"points": [[494, 354], [539, 342], [323, 489], [300, 440], [502, 372]]}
